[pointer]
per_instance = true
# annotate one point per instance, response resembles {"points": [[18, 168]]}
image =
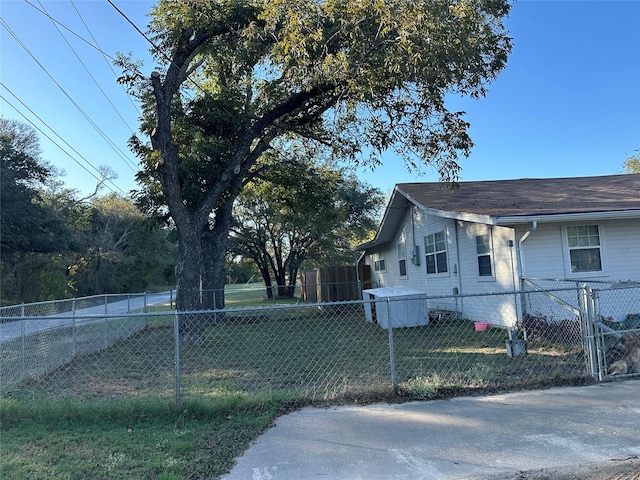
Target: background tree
{"points": [[55, 244], [241, 270], [234, 77], [123, 250], [311, 214], [29, 228], [632, 164]]}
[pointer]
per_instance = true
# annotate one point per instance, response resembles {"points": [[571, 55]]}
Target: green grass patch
{"points": [[130, 439], [112, 414]]}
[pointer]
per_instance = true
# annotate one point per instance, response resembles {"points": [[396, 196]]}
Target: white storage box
{"points": [[407, 307]]}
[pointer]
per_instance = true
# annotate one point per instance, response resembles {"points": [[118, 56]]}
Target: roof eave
{"points": [[382, 231], [567, 217]]}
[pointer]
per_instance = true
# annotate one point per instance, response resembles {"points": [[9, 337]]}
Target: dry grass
{"points": [[309, 355]]}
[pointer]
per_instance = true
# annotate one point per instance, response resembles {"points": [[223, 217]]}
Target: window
{"points": [[435, 248], [378, 262], [402, 259], [584, 248], [483, 249]]}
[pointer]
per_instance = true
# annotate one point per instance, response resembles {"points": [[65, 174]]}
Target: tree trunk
{"points": [[214, 275], [191, 325], [282, 285], [291, 287], [266, 277], [214, 247]]}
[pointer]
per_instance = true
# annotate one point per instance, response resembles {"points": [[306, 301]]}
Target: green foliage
{"points": [[298, 213], [27, 225], [632, 164], [241, 271], [124, 251], [34, 234], [55, 245]]}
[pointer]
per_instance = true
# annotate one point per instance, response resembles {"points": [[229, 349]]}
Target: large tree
{"points": [[289, 216], [236, 77]]}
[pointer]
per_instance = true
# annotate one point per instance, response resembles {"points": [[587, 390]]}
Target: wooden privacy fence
{"points": [[334, 284]]}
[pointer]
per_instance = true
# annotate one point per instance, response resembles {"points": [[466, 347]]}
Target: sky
{"points": [[567, 104]]}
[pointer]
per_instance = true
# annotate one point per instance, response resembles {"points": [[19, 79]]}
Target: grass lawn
{"points": [[112, 414], [129, 439]]}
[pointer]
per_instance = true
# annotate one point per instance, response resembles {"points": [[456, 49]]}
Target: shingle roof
{"points": [[530, 196], [508, 202]]}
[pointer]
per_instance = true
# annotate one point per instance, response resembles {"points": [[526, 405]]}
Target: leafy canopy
{"points": [[359, 76]]}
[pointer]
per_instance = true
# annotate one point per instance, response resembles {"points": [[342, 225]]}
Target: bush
{"points": [[540, 328]]}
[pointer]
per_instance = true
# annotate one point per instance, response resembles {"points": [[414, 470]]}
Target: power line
{"points": [[99, 179], [71, 31], [134, 26], [196, 84], [113, 146], [168, 59], [104, 55], [88, 72]]}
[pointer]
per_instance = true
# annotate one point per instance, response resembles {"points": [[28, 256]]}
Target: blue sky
{"points": [[568, 103]]}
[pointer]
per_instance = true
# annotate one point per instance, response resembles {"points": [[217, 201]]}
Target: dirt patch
{"points": [[616, 469]]}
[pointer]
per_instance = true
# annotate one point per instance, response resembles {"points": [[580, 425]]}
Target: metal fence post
{"points": [[392, 359], [22, 346], [176, 341], [587, 314], [106, 319], [598, 335], [73, 328]]}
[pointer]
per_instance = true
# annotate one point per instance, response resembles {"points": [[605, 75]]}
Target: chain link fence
{"points": [[135, 301], [38, 339], [352, 349]]}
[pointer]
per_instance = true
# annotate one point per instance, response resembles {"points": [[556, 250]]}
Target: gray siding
{"points": [[545, 252]]}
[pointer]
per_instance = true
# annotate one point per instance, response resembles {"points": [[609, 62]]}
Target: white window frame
{"points": [[489, 253], [379, 261], [435, 253], [402, 259], [568, 248]]}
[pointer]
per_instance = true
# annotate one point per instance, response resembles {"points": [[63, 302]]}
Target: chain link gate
{"points": [[613, 331]]}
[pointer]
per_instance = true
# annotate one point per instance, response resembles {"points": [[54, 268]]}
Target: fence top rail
{"points": [[62, 300], [99, 316], [582, 281]]}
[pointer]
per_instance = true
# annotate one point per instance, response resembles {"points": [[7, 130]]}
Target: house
{"points": [[486, 236]]}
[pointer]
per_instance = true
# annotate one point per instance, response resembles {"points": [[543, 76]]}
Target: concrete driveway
{"points": [[463, 438]]}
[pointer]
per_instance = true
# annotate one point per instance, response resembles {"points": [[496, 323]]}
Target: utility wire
{"points": [[99, 179], [72, 32], [90, 75], [196, 84], [50, 128], [135, 26], [114, 147], [104, 55]]}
